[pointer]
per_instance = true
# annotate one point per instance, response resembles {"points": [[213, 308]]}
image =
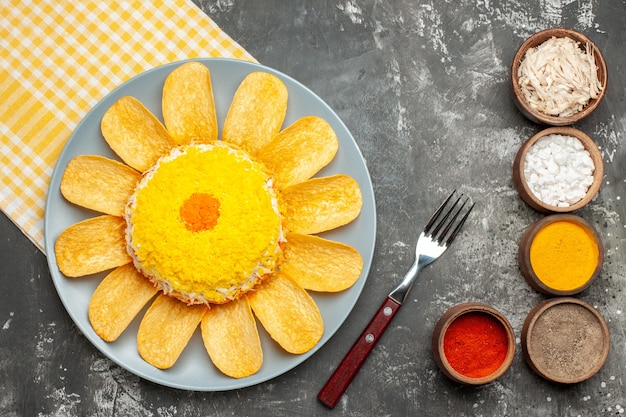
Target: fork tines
{"points": [[448, 220]]}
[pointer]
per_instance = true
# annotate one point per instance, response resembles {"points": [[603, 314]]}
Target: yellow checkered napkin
{"points": [[59, 58]]}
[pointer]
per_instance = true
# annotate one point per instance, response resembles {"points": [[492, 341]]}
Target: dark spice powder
{"points": [[566, 341], [475, 344]]}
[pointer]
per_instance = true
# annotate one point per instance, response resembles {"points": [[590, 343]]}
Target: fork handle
{"points": [[351, 363]]}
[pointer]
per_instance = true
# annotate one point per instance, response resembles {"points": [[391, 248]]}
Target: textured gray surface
{"points": [[423, 87]]}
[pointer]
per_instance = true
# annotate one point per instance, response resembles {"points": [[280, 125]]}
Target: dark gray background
{"points": [[423, 87]]}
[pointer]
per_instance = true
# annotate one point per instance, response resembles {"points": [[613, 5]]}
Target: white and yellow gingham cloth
{"points": [[59, 58]]}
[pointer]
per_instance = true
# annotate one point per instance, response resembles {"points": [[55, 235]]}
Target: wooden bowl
{"points": [[527, 270], [519, 179], [536, 40], [442, 326], [565, 340]]}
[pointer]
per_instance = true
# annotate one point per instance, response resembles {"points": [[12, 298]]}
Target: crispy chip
{"points": [[321, 204], [231, 338], [118, 299], [135, 134], [300, 151], [288, 313], [91, 246], [99, 183], [166, 329], [188, 105], [321, 265], [257, 112]]}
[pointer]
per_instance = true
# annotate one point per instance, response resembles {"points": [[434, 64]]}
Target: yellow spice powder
{"points": [[564, 255]]}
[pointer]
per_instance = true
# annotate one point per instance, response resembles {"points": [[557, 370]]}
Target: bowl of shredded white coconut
{"points": [[559, 77], [558, 170]]}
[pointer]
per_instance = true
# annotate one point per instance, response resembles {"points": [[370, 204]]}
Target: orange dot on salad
{"points": [[200, 212]]}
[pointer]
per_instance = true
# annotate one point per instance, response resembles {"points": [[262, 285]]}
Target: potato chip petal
{"points": [[166, 329], [288, 313], [257, 112], [91, 246], [99, 183], [300, 151], [319, 264], [231, 338], [117, 300], [188, 105], [135, 134], [321, 204]]}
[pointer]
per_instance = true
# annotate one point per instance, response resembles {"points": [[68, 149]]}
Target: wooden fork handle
{"points": [[339, 381]]}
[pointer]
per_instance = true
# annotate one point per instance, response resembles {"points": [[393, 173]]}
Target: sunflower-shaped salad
{"points": [[214, 232]]}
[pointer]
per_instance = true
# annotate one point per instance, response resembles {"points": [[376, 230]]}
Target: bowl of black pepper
{"points": [[565, 340], [559, 77]]}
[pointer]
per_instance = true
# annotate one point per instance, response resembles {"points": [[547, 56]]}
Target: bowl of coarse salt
{"points": [[559, 170], [559, 77]]}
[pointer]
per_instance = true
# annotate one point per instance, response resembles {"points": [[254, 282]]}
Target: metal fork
{"points": [[437, 235]]}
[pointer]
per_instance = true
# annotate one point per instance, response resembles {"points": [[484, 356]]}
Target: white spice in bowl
{"points": [[558, 170]]}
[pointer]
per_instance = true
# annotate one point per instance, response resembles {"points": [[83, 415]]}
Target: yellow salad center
{"points": [[204, 224]]}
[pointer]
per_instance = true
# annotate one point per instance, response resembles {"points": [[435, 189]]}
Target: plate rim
{"points": [[160, 376]]}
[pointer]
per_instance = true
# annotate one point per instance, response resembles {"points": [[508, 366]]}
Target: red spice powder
{"points": [[475, 344], [200, 212]]}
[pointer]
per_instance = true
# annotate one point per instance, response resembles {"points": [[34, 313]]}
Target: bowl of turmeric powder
{"points": [[559, 77], [560, 255]]}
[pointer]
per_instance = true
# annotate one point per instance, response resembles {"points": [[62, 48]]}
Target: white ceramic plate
{"points": [[194, 370]]}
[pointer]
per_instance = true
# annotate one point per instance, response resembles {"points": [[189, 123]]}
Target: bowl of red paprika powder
{"points": [[473, 343]]}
